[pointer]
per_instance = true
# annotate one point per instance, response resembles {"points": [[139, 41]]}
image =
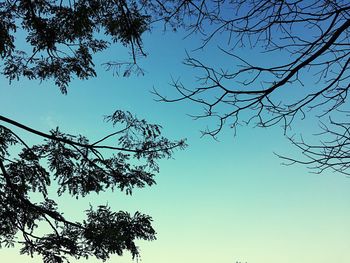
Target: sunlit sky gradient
{"points": [[217, 201]]}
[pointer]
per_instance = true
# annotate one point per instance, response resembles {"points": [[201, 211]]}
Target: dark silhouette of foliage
{"points": [[62, 36], [46, 39], [78, 167], [60, 39]]}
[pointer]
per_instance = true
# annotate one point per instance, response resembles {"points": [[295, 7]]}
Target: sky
{"points": [[217, 201]]}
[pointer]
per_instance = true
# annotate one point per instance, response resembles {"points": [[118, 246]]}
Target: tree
{"points": [[61, 37], [311, 41], [79, 167]]}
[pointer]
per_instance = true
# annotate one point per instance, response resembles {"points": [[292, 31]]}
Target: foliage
{"points": [[47, 39], [60, 39], [63, 35], [78, 167]]}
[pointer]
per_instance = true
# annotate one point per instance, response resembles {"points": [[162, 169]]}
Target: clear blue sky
{"points": [[223, 201]]}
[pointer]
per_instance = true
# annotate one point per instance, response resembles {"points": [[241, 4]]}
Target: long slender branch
{"points": [[71, 142]]}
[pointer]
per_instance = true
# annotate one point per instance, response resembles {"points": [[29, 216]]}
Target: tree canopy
{"points": [[61, 36], [78, 167], [56, 40]]}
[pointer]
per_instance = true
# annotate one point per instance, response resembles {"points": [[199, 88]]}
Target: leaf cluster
{"points": [[78, 167], [62, 36]]}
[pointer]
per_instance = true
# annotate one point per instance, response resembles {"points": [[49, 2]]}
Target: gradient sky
{"points": [[217, 201]]}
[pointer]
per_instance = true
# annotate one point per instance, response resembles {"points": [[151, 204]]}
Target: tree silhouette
{"points": [[61, 37], [311, 41], [79, 167]]}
